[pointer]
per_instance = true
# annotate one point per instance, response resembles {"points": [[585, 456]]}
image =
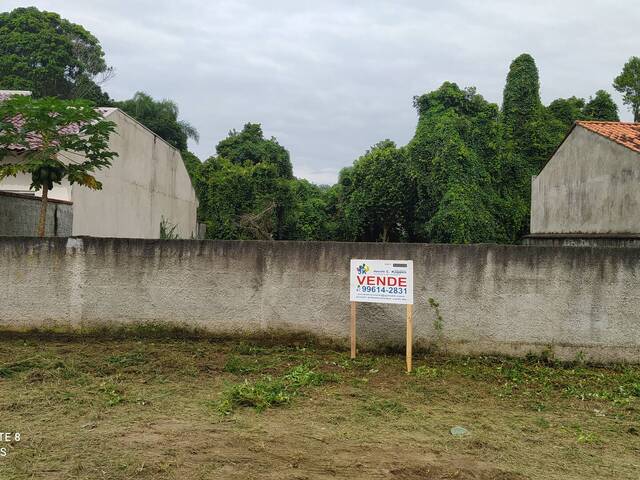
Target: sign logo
{"points": [[363, 269]]}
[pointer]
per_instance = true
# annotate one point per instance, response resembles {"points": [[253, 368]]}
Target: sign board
{"points": [[382, 281]]}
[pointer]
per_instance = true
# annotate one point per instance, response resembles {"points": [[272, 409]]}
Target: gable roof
{"points": [[623, 133]]}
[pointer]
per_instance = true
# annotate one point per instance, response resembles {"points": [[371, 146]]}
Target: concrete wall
{"points": [[590, 185], [508, 299], [20, 214], [146, 182]]}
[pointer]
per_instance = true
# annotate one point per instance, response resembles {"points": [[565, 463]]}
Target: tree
{"points": [[311, 216], [453, 159], [521, 97], [567, 110], [58, 139], [193, 165], [628, 84], [161, 117], [44, 53], [243, 201], [250, 147], [380, 195], [601, 107]]}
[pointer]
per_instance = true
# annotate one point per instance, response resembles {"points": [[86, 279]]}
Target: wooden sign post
{"points": [[409, 353], [382, 281], [353, 330]]}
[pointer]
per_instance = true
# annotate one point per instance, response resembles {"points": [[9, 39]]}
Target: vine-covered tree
{"points": [[161, 117], [521, 99], [245, 191], [56, 139], [381, 195], [453, 161], [44, 53], [628, 84]]}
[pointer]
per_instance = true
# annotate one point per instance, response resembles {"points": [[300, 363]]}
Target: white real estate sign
{"points": [[382, 281]]}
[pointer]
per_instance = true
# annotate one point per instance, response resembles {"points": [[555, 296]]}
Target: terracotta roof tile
{"points": [[627, 134]]}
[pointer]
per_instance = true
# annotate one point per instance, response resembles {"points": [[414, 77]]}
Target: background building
{"points": [[589, 191], [146, 185]]}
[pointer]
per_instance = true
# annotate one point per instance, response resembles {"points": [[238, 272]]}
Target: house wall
{"points": [[590, 185], [493, 298], [148, 181]]}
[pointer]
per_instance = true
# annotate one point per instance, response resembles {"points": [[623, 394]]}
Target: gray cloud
{"points": [[330, 78]]}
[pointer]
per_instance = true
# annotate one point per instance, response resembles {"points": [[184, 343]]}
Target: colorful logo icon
{"points": [[363, 269]]}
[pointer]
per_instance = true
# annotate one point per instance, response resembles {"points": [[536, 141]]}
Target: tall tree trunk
{"points": [[43, 211], [385, 233]]}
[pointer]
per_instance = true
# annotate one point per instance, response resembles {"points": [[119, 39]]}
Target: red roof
{"points": [[626, 134]]}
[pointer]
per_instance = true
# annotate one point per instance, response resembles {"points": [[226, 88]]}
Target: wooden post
{"points": [[353, 329], [409, 336]]}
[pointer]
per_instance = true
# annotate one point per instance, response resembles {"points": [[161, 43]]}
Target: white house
{"points": [[591, 185], [146, 183]]}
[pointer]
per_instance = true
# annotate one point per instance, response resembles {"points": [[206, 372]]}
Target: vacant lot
{"points": [[187, 409]]}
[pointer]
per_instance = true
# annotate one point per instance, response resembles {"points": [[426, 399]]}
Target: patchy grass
{"points": [[149, 407], [268, 391]]}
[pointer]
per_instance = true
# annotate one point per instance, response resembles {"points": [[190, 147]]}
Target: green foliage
{"points": [[465, 177], [243, 201], [453, 162], [161, 117], [521, 97], [380, 195], [268, 392], [628, 84], [73, 140], [313, 215], [249, 147], [193, 165], [567, 110], [44, 53], [168, 230], [601, 107]]}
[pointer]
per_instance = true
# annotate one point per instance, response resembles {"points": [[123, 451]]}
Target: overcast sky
{"points": [[330, 78]]}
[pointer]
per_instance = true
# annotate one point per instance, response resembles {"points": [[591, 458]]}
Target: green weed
{"points": [[111, 393], [269, 391]]}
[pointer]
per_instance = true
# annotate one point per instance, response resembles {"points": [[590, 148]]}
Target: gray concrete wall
{"points": [[506, 299], [19, 216], [590, 185]]}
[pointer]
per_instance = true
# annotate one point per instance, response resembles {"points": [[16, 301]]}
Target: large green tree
{"points": [[628, 84], [56, 140], [521, 99], [161, 117], [381, 195], [246, 191], [601, 107], [453, 159], [44, 53], [249, 147]]}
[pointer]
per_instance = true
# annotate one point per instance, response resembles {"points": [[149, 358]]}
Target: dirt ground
{"points": [[184, 409]]}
